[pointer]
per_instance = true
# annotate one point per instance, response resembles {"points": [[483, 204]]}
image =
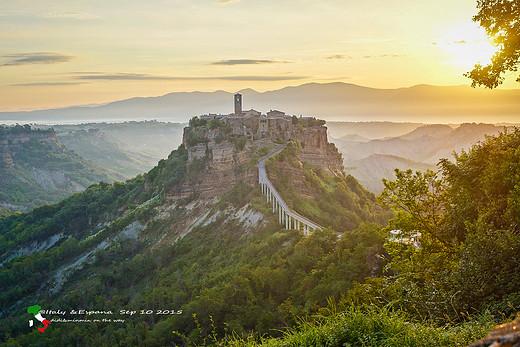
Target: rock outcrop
{"points": [[505, 335], [11, 141], [225, 152], [36, 169]]}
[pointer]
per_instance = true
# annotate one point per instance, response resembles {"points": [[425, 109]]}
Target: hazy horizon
{"points": [[333, 101], [238, 91], [58, 53]]}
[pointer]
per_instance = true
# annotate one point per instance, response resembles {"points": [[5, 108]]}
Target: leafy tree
{"points": [[423, 197], [469, 224], [500, 20]]}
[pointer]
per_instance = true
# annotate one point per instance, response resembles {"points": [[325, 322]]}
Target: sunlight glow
{"points": [[467, 44]]}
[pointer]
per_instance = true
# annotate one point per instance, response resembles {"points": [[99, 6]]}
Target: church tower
{"points": [[238, 104]]}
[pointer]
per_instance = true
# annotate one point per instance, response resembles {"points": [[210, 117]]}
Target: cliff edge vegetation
{"points": [[36, 169]]}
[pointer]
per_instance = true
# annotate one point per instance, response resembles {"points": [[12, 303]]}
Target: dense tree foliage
{"points": [[500, 20], [469, 222], [234, 285], [231, 281]]}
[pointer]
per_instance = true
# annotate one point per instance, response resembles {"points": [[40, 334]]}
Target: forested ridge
{"points": [[224, 279], [275, 286], [464, 277], [36, 169]]}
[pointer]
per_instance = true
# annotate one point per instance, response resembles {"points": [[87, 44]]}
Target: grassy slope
{"points": [[338, 202], [373, 327]]}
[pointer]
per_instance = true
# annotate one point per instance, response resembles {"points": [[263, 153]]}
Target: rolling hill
{"points": [[420, 149], [129, 148], [36, 169], [330, 101]]}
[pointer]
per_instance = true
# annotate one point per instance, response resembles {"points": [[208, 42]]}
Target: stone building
{"points": [[275, 114], [275, 125]]}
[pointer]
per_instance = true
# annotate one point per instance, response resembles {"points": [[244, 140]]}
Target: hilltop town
{"points": [[228, 142], [275, 125]]}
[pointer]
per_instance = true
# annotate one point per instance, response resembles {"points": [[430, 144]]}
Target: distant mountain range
{"points": [[371, 170], [330, 101], [420, 149], [348, 131]]}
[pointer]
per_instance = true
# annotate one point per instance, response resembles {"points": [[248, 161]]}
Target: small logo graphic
{"points": [[35, 310]]}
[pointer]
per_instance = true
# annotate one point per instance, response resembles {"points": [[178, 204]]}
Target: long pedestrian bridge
{"points": [[286, 217]]}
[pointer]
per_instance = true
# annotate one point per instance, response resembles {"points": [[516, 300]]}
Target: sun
{"points": [[466, 45]]}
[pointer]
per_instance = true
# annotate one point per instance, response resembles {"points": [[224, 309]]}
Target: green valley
{"points": [[193, 249], [37, 169]]}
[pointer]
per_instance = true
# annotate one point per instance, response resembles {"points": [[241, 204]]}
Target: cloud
{"points": [[123, 76], [383, 56], [246, 62], [225, 2], [46, 84], [35, 58], [338, 56], [70, 15], [447, 43], [146, 77], [261, 78]]}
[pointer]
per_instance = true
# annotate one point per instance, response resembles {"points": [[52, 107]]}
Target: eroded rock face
{"points": [[222, 162], [505, 335], [10, 143], [214, 168], [317, 150]]}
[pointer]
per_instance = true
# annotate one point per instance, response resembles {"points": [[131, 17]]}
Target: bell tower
{"points": [[238, 104]]}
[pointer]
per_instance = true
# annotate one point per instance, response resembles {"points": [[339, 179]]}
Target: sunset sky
{"points": [[56, 53]]}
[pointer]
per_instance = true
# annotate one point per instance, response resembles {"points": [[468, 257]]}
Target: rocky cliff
{"points": [[36, 169], [12, 140], [308, 173], [317, 150], [231, 157], [216, 162]]}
